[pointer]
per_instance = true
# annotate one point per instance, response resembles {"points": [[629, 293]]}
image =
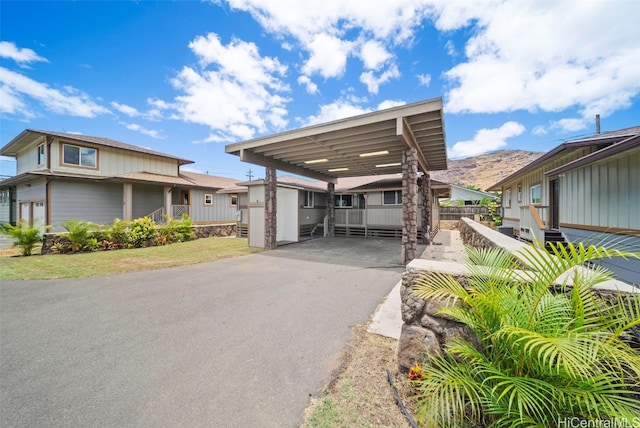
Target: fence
{"points": [[469, 211]]}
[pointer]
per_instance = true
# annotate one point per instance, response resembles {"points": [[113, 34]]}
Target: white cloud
{"points": [[331, 31], [374, 54], [20, 55], [339, 109], [373, 82], [450, 48], [125, 109], [17, 88], [571, 124], [310, 87], [486, 140], [328, 56], [527, 57], [424, 79], [540, 130], [142, 130], [390, 103], [236, 92]]}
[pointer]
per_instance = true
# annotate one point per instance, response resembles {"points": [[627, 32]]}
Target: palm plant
{"points": [[545, 353], [26, 237], [79, 233]]}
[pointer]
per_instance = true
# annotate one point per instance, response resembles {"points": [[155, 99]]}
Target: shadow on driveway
{"points": [[368, 253]]}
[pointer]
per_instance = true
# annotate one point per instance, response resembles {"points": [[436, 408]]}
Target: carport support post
{"points": [[427, 208], [331, 210], [270, 209], [409, 205]]}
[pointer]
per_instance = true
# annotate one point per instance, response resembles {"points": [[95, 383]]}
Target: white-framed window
{"points": [[536, 194], [233, 201], [507, 198], [344, 201], [4, 197], [392, 197], [41, 154], [519, 192], [308, 199], [80, 156], [208, 199]]}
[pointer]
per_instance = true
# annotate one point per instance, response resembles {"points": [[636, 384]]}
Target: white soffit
{"points": [[335, 149]]}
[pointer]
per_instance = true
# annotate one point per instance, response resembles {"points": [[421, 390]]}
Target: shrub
{"points": [[116, 236], [176, 230], [542, 356], [26, 237], [79, 233], [141, 232]]}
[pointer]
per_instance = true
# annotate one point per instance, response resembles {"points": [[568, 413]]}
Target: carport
{"points": [[407, 139]]}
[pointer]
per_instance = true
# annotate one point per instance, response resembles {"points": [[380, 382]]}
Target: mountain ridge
{"points": [[485, 170]]}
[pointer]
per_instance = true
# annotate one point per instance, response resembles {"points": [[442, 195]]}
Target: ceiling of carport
{"points": [[369, 144]]}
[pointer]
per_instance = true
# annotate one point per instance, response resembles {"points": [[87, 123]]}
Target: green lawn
{"points": [[120, 261]]}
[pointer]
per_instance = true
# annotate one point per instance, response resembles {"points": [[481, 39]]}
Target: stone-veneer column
{"points": [[270, 209], [409, 205], [331, 209], [427, 207]]}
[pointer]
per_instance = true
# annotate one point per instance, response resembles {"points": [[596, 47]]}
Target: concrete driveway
{"points": [[234, 343]]}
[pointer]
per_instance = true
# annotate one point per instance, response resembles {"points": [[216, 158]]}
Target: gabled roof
{"points": [[605, 139], [364, 145], [209, 181], [479, 193], [28, 136], [614, 149]]}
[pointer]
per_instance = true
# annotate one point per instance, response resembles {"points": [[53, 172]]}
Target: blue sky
{"points": [[187, 77]]}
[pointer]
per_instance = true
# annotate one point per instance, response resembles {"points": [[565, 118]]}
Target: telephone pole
{"points": [[250, 174]]}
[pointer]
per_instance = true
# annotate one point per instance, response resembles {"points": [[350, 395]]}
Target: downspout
{"points": [[47, 201]]}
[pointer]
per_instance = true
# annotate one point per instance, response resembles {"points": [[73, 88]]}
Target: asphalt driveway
{"points": [[233, 343]]}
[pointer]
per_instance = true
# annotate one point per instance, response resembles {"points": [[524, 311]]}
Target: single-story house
{"points": [[461, 195], [369, 206], [584, 190], [62, 176]]}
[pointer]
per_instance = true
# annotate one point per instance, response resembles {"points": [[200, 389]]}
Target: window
{"points": [[392, 197], [4, 197], [81, 156], [208, 199], [41, 154], [507, 198], [536, 194], [519, 192], [308, 199], [233, 200], [344, 201]]}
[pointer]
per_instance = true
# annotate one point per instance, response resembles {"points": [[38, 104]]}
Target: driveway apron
{"points": [[233, 343]]}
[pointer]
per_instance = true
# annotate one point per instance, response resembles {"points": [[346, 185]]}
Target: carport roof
{"points": [[369, 144]]}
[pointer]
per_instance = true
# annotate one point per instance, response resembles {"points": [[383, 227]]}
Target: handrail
{"points": [[536, 216], [157, 216]]}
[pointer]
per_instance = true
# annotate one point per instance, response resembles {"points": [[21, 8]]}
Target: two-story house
{"points": [[63, 176]]}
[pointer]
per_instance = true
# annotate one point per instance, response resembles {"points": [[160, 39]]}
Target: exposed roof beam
{"points": [[249, 156], [403, 131]]}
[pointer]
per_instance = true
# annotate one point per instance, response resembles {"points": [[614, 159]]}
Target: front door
{"points": [[554, 202]]}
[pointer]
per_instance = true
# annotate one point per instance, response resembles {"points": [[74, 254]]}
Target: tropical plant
{"points": [[116, 234], [79, 233], [544, 353], [176, 230], [26, 237], [141, 232]]}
